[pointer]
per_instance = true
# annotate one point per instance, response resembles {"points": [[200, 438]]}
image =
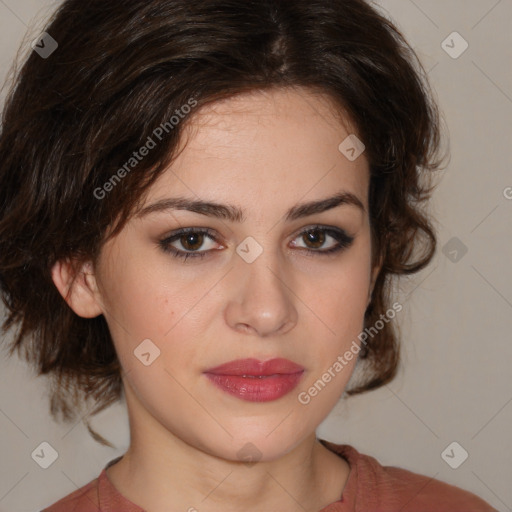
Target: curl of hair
{"points": [[71, 120]]}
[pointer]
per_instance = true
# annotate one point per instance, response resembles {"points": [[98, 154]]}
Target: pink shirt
{"points": [[370, 487]]}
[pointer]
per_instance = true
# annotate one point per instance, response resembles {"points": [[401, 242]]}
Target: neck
{"points": [[160, 472]]}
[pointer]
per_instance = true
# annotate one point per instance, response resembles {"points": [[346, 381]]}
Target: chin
{"points": [[259, 440]]}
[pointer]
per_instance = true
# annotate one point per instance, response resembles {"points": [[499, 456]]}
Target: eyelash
{"points": [[344, 241]]}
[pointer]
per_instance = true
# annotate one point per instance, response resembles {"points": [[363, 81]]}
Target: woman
{"points": [[202, 207]]}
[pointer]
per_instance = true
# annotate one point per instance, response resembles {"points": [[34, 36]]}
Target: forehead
{"points": [[277, 145]]}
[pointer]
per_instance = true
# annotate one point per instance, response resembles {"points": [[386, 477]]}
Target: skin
{"points": [[264, 152]]}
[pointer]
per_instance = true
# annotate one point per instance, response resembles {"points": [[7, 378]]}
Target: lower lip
{"points": [[255, 389]]}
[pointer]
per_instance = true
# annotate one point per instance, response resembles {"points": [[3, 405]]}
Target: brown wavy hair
{"points": [[121, 70]]}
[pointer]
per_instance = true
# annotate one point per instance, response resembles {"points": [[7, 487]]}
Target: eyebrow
{"points": [[236, 214]]}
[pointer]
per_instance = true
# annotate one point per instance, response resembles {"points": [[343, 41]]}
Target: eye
{"points": [[315, 237], [190, 240]]}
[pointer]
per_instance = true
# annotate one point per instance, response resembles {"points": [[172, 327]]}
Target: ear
{"points": [[78, 287], [374, 274]]}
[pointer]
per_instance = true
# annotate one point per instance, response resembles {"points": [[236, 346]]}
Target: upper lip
{"points": [[256, 367]]}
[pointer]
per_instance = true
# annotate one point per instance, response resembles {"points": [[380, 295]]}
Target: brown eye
{"points": [[192, 241], [186, 243], [315, 237]]}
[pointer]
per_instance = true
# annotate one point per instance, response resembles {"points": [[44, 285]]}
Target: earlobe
{"points": [[78, 288]]}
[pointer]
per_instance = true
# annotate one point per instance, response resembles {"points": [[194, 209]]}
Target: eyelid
{"points": [[343, 239], [212, 234]]}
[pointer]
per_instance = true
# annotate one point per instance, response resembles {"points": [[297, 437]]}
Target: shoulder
{"points": [[393, 488], [85, 499], [420, 492]]}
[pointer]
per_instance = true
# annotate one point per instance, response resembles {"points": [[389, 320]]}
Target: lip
{"points": [[256, 381], [256, 368]]}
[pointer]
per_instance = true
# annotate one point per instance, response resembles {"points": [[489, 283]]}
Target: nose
{"points": [[262, 301]]}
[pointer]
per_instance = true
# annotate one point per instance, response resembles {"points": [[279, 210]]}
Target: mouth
{"points": [[256, 381]]}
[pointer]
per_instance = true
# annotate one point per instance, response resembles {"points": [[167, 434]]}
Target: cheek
{"points": [[168, 397], [153, 312], [340, 306], [145, 300], [339, 298]]}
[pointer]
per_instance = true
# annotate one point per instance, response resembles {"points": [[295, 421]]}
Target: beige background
{"points": [[456, 382]]}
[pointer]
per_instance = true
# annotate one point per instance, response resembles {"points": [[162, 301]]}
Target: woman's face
{"points": [[249, 288]]}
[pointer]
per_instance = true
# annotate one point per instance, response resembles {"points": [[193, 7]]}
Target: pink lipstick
{"points": [[256, 381]]}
